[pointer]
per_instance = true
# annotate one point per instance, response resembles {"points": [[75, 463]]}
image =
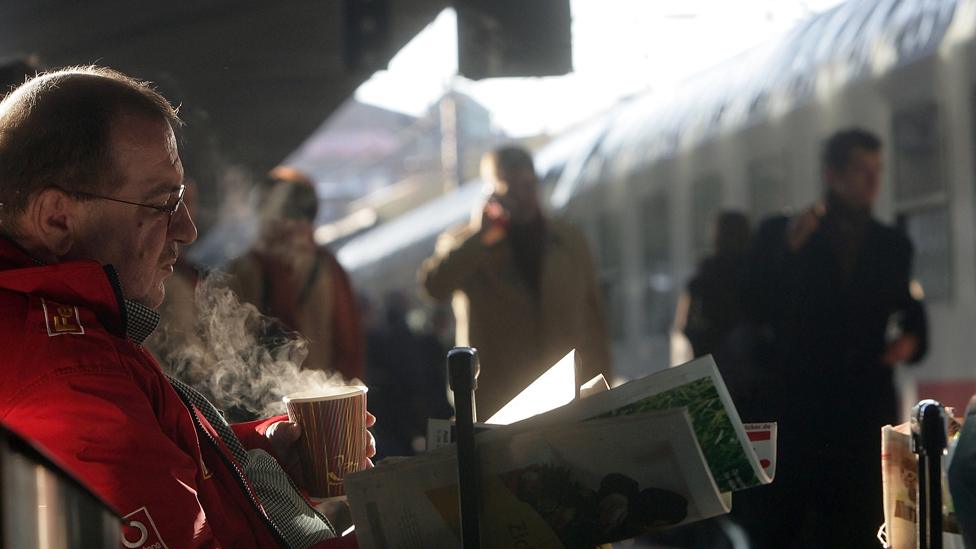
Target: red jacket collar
{"points": [[83, 283]]}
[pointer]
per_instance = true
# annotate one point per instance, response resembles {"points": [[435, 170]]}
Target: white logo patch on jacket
{"points": [[139, 531]]}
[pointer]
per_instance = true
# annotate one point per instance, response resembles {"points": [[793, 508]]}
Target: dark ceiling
{"points": [[264, 73]]}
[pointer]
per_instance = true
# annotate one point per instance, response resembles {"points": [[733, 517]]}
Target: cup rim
{"points": [[322, 395]]}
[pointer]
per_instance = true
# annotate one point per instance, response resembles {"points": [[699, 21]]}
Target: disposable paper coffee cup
{"points": [[333, 441]]}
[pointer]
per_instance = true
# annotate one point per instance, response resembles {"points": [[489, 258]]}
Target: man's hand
{"points": [[802, 226], [494, 222], [900, 350], [282, 436]]}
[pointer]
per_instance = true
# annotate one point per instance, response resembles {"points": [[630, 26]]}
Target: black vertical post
{"points": [[929, 441], [462, 365]]}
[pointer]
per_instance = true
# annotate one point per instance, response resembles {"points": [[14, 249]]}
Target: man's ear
{"points": [[52, 219]]}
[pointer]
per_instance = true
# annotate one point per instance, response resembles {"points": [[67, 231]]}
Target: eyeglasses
{"points": [[171, 206]]}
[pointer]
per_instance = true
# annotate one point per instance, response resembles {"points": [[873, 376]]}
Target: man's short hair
{"points": [[838, 147], [55, 132], [507, 159]]}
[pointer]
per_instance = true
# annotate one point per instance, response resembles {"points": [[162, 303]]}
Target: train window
{"points": [[656, 230], [768, 190], [920, 195], [929, 230], [706, 201], [659, 303], [615, 310], [608, 252], [658, 306], [915, 154], [608, 241]]}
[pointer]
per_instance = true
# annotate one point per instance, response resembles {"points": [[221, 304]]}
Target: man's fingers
{"points": [[370, 444], [803, 225], [370, 440], [282, 435], [283, 431]]}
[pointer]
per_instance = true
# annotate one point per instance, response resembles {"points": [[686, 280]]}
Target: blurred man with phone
{"points": [[523, 285]]}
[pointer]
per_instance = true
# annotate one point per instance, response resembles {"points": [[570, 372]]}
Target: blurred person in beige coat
{"points": [[523, 285]]}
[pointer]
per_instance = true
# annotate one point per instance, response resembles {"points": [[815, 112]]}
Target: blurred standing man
{"points": [[832, 286], [524, 287], [288, 276], [91, 226]]}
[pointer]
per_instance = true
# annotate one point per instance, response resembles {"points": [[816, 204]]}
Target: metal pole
{"points": [[929, 441], [462, 365]]}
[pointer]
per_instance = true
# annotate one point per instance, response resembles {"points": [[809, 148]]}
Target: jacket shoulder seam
{"points": [[63, 372]]}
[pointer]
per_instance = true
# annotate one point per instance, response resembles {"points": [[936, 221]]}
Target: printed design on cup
{"points": [[333, 441], [140, 532]]}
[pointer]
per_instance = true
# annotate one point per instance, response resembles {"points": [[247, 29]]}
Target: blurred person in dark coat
{"points": [[710, 312], [407, 378], [711, 306], [962, 476], [831, 284]]}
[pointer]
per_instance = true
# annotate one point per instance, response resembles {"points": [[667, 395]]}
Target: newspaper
{"points": [[656, 452], [697, 385], [900, 486], [762, 436]]}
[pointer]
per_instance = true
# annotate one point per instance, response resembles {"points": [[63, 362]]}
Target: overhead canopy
{"points": [[265, 73]]}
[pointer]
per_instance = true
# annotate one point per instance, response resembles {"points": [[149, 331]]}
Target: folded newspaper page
{"points": [[554, 388], [655, 452], [899, 473]]}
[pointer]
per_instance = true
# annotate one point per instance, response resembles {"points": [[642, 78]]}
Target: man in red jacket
{"points": [[90, 226]]}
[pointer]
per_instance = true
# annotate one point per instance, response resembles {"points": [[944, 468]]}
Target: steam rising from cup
{"points": [[243, 361]]}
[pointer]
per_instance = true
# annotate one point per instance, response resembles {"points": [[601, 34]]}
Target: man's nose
{"points": [[181, 226]]}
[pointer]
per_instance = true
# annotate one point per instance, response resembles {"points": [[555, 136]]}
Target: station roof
{"points": [[265, 73]]}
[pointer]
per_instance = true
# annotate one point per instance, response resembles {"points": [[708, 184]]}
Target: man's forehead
{"points": [[130, 123], [862, 151], [147, 143], [860, 155]]}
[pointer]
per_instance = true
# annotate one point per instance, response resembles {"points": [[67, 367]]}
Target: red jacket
{"points": [[75, 384]]}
